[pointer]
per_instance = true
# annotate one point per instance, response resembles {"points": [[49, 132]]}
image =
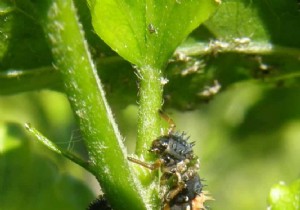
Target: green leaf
{"points": [[276, 21], [147, 32], [284, 197], [22, 44]]}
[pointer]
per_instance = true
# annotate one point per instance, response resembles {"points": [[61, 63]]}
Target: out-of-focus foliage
{"points": [[248, 139], [30, 180], [285, 197]]}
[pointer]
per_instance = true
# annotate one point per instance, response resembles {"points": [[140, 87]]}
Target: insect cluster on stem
{"points": [[181, 186]]}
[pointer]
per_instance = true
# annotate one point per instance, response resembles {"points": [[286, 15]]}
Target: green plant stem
{"points": [[86, 95], [150, 102], [20, 80], [253, 47]]}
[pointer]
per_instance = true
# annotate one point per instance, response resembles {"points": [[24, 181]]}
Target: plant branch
{"points": [[242, 45], [86, 95], [20, 80], [50, 145], [150, 102]]}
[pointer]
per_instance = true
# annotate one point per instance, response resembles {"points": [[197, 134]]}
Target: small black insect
{"points": [[100, 204], [177, 161]]}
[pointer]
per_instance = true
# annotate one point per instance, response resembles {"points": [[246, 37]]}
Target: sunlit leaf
{"points": [[147, 32]]}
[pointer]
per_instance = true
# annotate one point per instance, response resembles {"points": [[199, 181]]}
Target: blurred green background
{"points": [[247, 139]]}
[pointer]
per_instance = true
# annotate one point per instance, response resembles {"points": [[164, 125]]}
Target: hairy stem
{"points": [[86, 95], [150, 102], [242, 46]]}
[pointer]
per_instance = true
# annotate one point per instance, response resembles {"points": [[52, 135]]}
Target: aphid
{"points": [[181, 184], [216, 46], [152, 29], [210, 91], [263, 69], [193, 66], [242, 42]]}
